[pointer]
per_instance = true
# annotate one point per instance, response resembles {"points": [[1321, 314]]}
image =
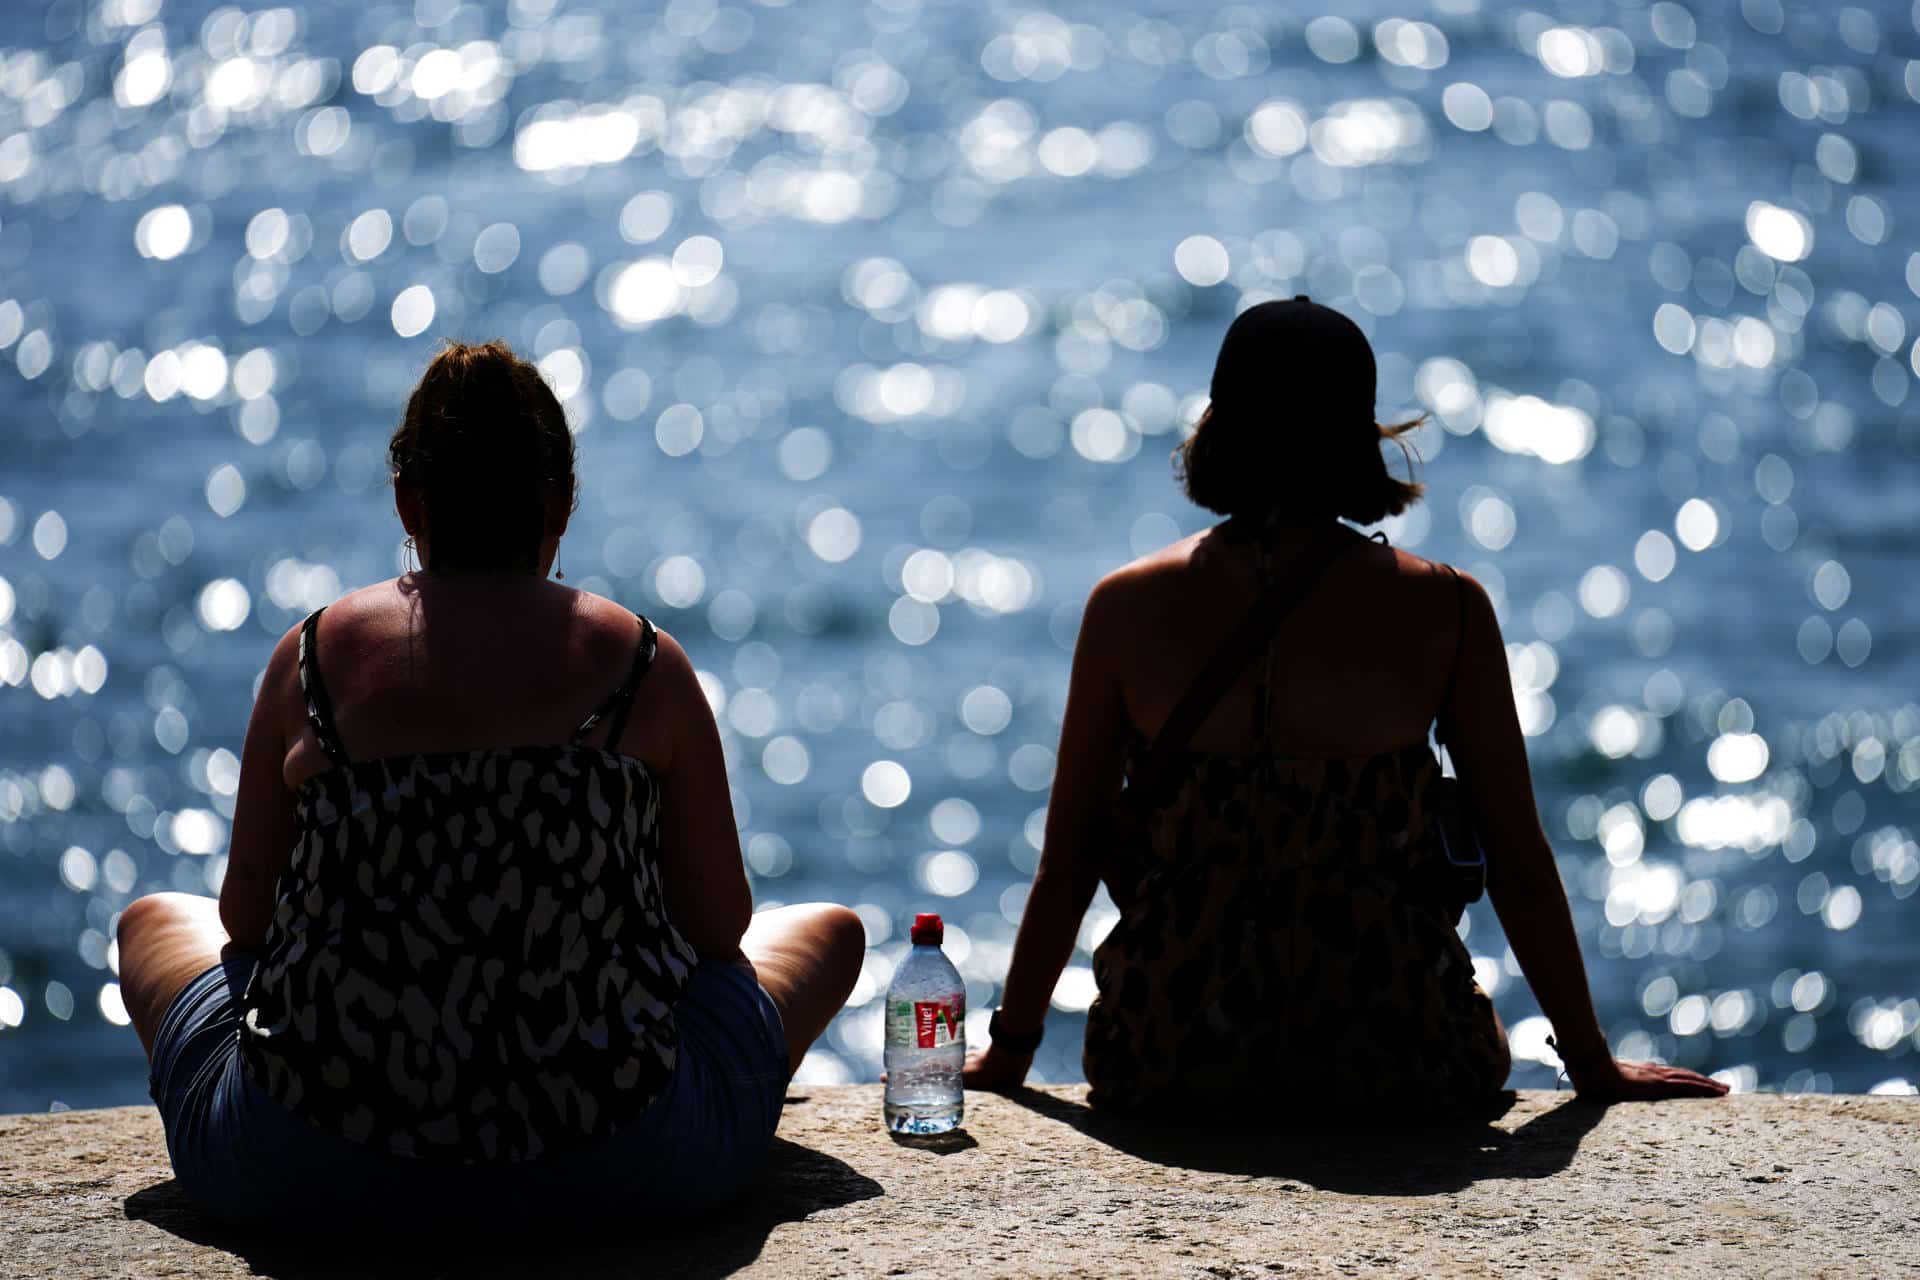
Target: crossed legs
{"points": [[807, 957]]}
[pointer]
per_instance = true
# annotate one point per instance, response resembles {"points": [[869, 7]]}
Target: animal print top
{"points": [[470, 960], [1282, 942]]}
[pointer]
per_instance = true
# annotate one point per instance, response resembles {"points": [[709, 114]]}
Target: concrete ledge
{"points": [[1038, 1185]]}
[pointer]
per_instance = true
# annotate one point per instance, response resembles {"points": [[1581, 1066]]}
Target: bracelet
{"points": [[1568, 1061], [1022, 1043]]}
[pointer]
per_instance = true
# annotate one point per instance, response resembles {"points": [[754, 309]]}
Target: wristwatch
{"points": [[1017, 1042]]}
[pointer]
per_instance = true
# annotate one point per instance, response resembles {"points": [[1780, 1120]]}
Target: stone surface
{"points": [[1037, 1185]]}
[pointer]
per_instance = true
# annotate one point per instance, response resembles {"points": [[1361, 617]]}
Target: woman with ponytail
{"points": [[485, 955], [1245, 763]]}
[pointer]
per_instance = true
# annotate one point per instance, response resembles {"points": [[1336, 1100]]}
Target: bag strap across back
{"points": [[1242, 644]]}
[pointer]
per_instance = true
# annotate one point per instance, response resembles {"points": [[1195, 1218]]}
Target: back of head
{"points": [[485, 446], [1290, 430]]}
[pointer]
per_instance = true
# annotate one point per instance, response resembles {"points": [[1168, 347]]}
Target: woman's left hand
{"points": [[994, 1069], [1615, 1081]]}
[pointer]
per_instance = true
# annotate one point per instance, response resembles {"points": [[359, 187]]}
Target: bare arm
{"points": [[1483, 735], [1086, 784], [262, 840], [707, 894]]}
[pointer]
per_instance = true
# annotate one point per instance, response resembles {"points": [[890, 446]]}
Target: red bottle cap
{"points": [[927, 929]]}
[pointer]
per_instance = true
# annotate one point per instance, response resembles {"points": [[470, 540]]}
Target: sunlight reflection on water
{"points": [[876, 331]]}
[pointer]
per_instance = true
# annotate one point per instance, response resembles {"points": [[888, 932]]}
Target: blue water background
{"points": [[884, 376]]}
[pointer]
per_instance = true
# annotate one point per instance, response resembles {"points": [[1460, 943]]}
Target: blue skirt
{"points": [[244, 1158]]}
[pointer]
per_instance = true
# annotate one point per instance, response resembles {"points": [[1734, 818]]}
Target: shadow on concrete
{"points": [[1383, 1159], [941, 1144], [796, 1182]]}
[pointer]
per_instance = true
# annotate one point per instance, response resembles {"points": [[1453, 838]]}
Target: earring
{"points": [[413, 556], [559, 573]]}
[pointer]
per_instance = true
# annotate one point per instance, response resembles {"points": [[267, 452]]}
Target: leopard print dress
{"points": [[470, 959], [1279, 938]]}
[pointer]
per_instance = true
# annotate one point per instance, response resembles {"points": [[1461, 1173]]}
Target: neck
{"points": [[444, 573], [1251, 526]]}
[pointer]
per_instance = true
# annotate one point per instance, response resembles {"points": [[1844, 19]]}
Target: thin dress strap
{"points": [[1459, 642], [314, 689], [620, 700]]}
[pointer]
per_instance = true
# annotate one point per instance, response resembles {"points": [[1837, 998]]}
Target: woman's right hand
{"points": [[994, 1069], [1617, 1081]]}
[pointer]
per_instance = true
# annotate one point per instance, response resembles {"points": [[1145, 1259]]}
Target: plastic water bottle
{"points": [[926, 1036]]}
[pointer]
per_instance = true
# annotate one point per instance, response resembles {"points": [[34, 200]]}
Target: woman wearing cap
{"points": [[1264, 690], [485, 951]]}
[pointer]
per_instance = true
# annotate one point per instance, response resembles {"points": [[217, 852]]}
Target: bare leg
{"points": [[166, 941], [808, 958]]}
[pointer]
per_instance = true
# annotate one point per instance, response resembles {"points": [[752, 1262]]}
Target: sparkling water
{"points": [[877, 345], [926, 1038]]}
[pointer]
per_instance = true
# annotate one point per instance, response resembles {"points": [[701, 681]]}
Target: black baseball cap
{"points": [[1295, 359]]}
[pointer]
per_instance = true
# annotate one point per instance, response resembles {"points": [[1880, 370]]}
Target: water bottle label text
{"points": [[926, 1024]]}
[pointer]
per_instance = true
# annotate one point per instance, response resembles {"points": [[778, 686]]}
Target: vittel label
{"points": [[927, 1024]]}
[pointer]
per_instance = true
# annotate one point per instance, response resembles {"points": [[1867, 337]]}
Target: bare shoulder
{"points": [[1402, 563], [602, 633], [364, 603], [1136, 591], [673, 717], [599, 614], [1430, 579], [1441, 575], [362, 617], [282, 673], [280, 703], [1149, 577], [671, 680], [349, 620], [1441, 589], [670, 661]]}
